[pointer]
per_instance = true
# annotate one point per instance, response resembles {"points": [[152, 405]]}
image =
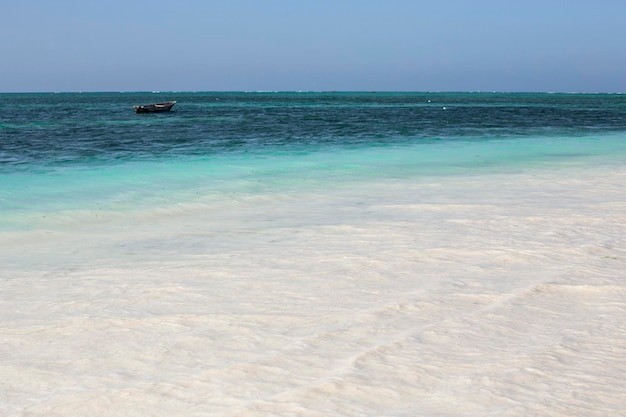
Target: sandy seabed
{"points": [[490, 295]]}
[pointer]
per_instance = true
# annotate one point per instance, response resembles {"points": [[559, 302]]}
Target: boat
{"points": [[154, 108]]}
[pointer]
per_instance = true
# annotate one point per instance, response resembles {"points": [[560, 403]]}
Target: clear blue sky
{"points": [[406, 45]]}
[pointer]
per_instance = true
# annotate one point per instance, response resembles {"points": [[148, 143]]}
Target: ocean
{"points": [[313, 254]]}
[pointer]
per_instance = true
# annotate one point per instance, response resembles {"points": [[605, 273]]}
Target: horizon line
{"points": [[311, 91]]}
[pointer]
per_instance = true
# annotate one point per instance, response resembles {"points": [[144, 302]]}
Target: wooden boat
{"points": [[154, 108]]}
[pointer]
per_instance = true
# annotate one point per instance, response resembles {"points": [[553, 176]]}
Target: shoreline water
{"points": [[497, 294]]}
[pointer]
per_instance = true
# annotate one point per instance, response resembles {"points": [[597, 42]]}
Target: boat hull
{"points": [[155, 108]]}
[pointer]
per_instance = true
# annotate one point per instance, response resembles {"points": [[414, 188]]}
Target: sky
{"points": [[314, 45]]}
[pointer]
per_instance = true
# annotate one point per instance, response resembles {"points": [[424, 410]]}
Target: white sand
{"points": [[491, 296]]}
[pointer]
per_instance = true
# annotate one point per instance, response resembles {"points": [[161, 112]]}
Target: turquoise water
{"points": [[90, 151]]}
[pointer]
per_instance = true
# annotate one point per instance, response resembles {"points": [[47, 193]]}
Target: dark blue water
{"points": [[46, 130]]}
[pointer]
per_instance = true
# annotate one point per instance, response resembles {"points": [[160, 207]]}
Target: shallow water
{"points": [[362, 275]]}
